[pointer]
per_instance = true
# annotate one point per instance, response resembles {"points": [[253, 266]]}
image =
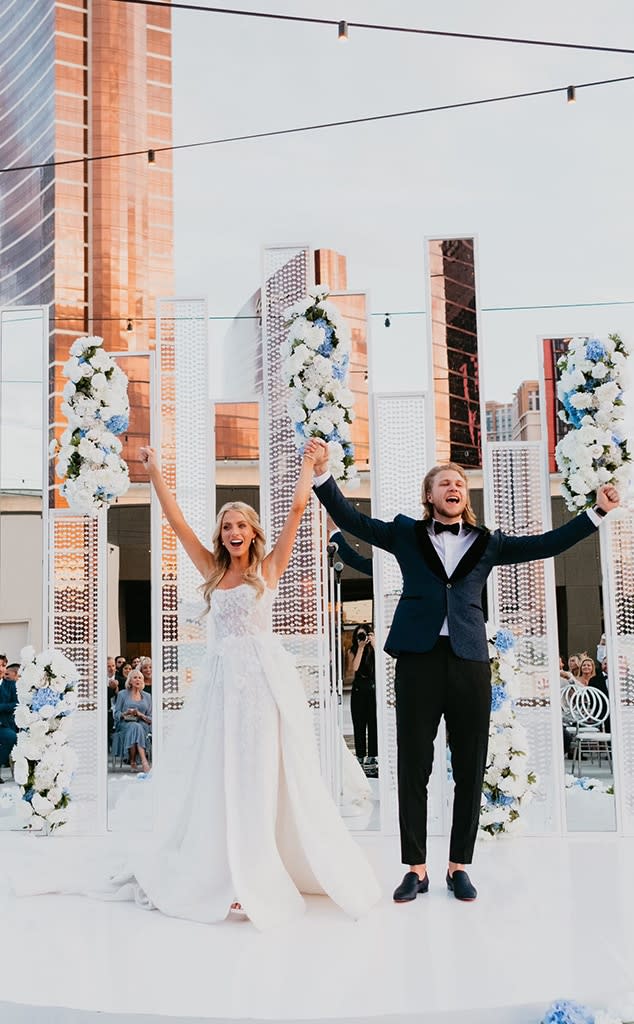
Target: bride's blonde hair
{"points": [[222, 557]]}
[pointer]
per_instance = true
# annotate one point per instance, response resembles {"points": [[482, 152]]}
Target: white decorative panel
{"points": [[76, 622], [184, 436], [617, 558], [297, 610], [398, 444], [518, 493]]}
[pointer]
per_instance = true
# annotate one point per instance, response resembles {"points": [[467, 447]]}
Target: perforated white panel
{"points": [[617, 557], [187, 459], [518, 492], [76, 571], [296, 613], [399, 466]]}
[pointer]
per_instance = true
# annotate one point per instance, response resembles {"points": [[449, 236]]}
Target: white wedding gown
{"points": [[244, 813]]}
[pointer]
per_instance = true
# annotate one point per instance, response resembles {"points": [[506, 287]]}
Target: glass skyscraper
{"points": [[93, 240]]}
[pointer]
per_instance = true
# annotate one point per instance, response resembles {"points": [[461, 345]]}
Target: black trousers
{"points": [[363, 711], [429, 686]]}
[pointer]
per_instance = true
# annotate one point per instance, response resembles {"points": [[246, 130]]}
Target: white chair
{"points": [[589, 709]]}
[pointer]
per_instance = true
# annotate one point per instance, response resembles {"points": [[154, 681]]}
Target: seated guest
{"points": [[11, 671], [133, 719], [119, 662], [145, 665], [8, 701]]}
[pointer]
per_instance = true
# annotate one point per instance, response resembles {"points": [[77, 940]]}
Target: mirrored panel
{"points": [[22, 345], [131, 702], [586, 691], [356, 752]]}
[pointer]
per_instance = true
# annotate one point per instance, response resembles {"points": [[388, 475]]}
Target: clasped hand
{"points": [[316, 451]]}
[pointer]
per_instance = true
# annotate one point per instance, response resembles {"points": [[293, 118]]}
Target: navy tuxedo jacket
{"points": [[429, 595]]}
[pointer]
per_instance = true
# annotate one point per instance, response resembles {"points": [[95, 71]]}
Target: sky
{"points": [[543, 185]]}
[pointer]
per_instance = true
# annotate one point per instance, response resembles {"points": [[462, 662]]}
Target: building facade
{"points": [[91, 239]]}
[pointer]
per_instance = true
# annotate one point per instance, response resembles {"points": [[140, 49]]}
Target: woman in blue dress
{"points": [[133, 719]]}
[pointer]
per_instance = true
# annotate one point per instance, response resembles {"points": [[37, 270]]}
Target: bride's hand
{"points": [[149, 458]]}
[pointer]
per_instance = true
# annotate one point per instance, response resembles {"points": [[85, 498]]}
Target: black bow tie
{"points": [[441, 527]]}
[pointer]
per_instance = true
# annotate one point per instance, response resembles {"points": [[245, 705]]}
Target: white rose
{"points": [[101, 360], [41, 805], [599, 371], [78, 347], [99, 383], [24, 811], [21, 771]]}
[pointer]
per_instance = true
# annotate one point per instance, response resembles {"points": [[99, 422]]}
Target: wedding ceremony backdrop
{"points": [[408, 433]]}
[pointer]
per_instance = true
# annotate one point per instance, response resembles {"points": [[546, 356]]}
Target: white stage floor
{"points": [[555, 919]]}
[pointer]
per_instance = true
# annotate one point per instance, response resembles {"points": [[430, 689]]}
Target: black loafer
{"points": [[410, 887], [460, 885]]}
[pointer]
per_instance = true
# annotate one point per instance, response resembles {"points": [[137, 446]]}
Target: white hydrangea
{"points": [[593, 379], [315, 358]]}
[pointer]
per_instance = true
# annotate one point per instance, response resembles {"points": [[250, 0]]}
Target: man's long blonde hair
{"points": [[222, 557], [468, 516]]}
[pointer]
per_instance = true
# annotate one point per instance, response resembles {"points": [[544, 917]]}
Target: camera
{"points": [[361, 635]]}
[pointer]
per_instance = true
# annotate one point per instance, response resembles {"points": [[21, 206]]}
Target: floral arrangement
{"points": [[508, 782], [596, 451], [586, 783], [43, 761], [315, 359], [567, 1011], [97, 409]]}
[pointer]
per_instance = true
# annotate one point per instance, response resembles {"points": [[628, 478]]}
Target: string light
{"points": [[130, 326], [571, 94], [151, 156], [387, 321], [342, 31], [478, 37], [318, 127]]}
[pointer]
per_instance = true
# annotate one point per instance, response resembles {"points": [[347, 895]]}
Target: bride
{"points": [[246, 822]]}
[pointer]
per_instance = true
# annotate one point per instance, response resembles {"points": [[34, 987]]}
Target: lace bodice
{"points": [[240, 612]]}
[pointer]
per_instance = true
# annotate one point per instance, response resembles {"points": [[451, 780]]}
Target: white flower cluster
{"points": [[315, 359], [590, 389], [508, 781], [97, 409], [43, 761], [587, 784]]}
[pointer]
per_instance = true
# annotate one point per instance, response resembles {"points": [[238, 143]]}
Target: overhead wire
{"points": [[462, 104], [379, 27]]}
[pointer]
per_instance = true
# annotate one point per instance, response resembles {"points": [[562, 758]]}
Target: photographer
{"points": [[363, 698]]}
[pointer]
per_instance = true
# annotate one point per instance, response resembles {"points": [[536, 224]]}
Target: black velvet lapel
{"points": [[473, 555], [428, 550]]}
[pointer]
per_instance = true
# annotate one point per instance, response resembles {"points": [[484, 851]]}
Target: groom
{"points": [[438, 638]]}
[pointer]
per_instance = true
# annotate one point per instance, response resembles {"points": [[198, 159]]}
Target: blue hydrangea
{"points": [[28, 795], [117, 424], [45, 695], [503, 800], [348, 449], [567, 1011], [338, 371], [498, 697], [595, 350], [504, 640], [574, 415]]}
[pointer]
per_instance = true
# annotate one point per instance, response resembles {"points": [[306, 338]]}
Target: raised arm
{"points": [[347, 517], [545, 545], [199, 554], [277, 560]]}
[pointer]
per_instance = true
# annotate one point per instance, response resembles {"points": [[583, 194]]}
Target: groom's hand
{"points": [[608, 497]]}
